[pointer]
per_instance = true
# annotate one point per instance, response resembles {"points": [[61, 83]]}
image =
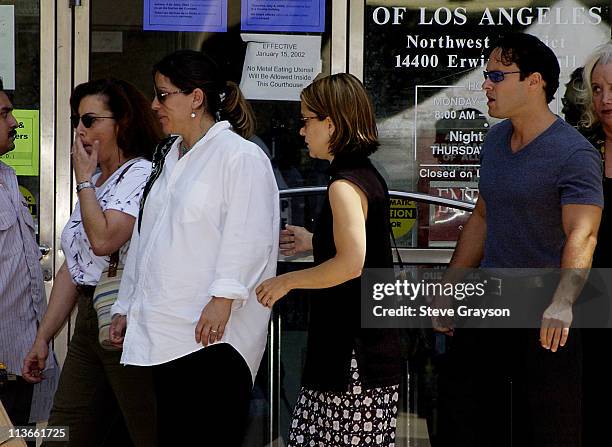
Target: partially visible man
{"points": [[22, 293], [539, 207]]}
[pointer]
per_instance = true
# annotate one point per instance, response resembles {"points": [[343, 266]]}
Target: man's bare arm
{"points": [[580, 225]]}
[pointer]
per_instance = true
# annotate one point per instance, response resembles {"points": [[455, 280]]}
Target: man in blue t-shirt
{"points": [[539, 207]]}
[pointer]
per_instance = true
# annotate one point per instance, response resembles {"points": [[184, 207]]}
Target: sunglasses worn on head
{"points": [[88, 119], [497, 75]]}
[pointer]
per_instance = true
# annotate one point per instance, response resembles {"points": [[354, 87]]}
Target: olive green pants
{"points": [[101, 401]]}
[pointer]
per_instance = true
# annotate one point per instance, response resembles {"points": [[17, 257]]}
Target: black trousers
{"points": [[594, 311], [503, 389], [597, 387], [203, 398], [16, 398]]}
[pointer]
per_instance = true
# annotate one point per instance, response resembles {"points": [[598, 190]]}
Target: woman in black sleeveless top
{"points": [[351, 377]]}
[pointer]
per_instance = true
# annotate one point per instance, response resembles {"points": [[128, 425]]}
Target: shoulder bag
{"points": [[106, 293], [104, 297]]}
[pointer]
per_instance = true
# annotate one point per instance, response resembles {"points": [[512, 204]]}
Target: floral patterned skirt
{"points": [[357, 417]]}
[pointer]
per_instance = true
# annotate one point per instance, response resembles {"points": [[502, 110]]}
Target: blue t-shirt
{"points": [[524, 192]]}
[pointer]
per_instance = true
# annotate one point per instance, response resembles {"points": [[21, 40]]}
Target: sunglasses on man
{"points": [[497, 75], [88, 119]]}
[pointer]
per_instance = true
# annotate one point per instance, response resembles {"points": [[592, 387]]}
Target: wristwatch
{"points": [[84, 185]]}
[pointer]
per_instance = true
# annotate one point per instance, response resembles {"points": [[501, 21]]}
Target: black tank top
{"points": [[602, 258], [335, 313]]}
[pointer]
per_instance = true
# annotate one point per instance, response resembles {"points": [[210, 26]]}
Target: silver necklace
{"points": [[184, 149]]}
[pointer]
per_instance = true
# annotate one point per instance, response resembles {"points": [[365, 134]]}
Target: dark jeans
{"points": [[203, 398], [503, 389], [102, 402]]}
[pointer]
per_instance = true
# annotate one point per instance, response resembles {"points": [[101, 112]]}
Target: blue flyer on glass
{"points": [[185, 15], [283, 15]]}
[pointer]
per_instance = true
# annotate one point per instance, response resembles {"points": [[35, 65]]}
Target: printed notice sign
{"points": [[283, 15], [278, 67], [185, 15], [7, 46], [24, 158]]}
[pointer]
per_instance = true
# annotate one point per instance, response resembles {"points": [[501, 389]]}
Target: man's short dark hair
{"points": [[531, 55], [1, 85]]}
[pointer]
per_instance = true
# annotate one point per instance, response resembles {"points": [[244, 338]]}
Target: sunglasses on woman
{"points": [[161, 96], [497, 75], [88, 119], [305, 119]]}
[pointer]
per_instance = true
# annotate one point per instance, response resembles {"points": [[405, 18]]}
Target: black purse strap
{"points": [[399, 257], [159, 157]]}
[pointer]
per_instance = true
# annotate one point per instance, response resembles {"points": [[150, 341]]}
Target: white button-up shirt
{"points": [[209, 228]]}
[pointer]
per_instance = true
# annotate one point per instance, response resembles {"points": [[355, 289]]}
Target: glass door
{"points": [[20, 69], [28, 73]]}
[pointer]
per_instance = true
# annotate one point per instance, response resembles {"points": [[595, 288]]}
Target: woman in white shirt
{"points": [[115, 131], [206, 236]]}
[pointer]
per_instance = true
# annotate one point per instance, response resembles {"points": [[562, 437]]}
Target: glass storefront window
{"points": [[121, 48], [423, 66]]}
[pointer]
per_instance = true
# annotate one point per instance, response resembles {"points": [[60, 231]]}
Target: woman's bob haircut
{"points": [[343, 99]]}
